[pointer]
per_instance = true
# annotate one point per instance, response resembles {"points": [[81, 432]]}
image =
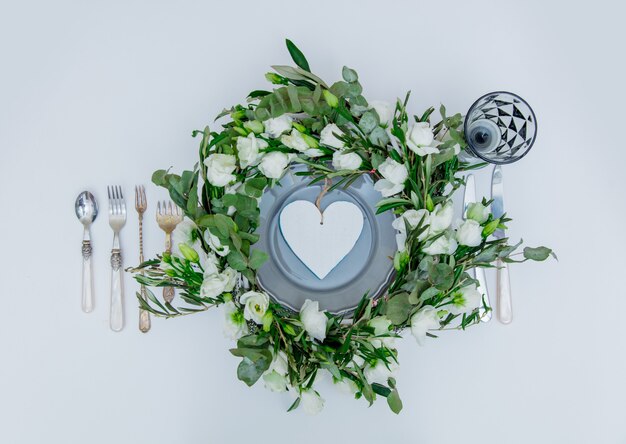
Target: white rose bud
{"points": [[441, 218], [274, 164], [380, 372], [328, 138], [312, 403], [213, 285], [215, 244], [248, 149], [275, 127], [255, 305], [421, 134], [384, 111], [441, 245], [313, 319], [395, 174], [220, 168], [413, 217], [422, 321], [348, 161], [478, 212], [275, 377], [295, 141], [470, 233]]}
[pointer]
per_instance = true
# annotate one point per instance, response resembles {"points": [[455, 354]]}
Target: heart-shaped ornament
{"points": [[321, 242]]}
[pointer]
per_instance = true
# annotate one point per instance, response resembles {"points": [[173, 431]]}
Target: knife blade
{"points": [[468, 198], [503, 295]]}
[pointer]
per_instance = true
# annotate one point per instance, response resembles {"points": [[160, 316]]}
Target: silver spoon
{"points": [[87, 211]]}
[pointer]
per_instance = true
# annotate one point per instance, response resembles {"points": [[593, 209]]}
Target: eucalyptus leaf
{"points": [[538, 254], [398, 308]]}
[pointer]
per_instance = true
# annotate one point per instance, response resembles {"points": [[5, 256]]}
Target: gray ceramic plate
{"points": [[368, 268]]}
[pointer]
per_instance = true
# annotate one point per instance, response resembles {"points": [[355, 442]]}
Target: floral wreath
{"points": [[338, 135]]}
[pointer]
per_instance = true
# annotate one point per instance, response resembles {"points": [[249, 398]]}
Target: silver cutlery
{"points": [[468, 198], [141, 205], [168, 216], [504, 301], [86, 209], [117, 219]]}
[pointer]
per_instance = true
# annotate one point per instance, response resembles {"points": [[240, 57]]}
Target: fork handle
{"points": [[87, 292], [505, 306], [116, 320]]}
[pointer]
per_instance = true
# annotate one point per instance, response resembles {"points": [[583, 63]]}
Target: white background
{"points": [[97, 93]]}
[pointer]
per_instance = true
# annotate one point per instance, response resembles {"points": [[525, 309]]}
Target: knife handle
{"points": [[505, 309], [485, 315]]}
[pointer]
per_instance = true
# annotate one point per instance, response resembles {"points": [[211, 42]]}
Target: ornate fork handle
{"points": [[87, 294], [144, 315], [168, 292], [117, 290]]}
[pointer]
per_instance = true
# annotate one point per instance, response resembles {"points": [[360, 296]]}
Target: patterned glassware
{"points": [[500, 127]]}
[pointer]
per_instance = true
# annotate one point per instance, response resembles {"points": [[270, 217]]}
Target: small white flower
{"points": [[380, 372], [312, 403], [215, 244], [441, 218], [469, 233], [420, 134], [465, 300], [413, 217], [275, 127], [186, 232], [220, 168], [274, 164], [395, 174], [381, 325], [213, 285], [422, 321], [255, 305], [295, 141], [384, 110], [441, 245], [248, 150], [478, 212], [348, 161], [234, 323], [313, 319], [328, 138], [275, 377]]}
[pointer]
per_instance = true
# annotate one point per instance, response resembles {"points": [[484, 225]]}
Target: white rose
{"points": [[347, 385], [395, 174], [478, 212], [413, 218], [470, 233], [215, 244], [348, 161], [248, 150], [275, 127], [381, 325], [422, 321], [441, 218], [186, 232], [213, 285], [384, 110], [255, 305], [464, 300], [275, 377], [295, 141], [380, 372], [274, 164], [401, 241], [441, 245], [313, 319], [234, 323], [209, 262], [314, 152], [220, 168], [232, 277], [328, 138], [312, 403], [421, 134]]}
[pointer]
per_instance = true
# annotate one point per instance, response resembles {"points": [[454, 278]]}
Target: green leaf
{"points": [[253, 341], [295, 405], [538, 254], [254, 187], [441, 276], [158, 178], [381, 389], [368, 122], [398, 308], [394, 402], [250, 371], [379, 137], [349, 75], [297, 56], [237, 260], [257, 258]]}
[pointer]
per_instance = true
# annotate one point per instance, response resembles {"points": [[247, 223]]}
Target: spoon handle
{"points": [[117, 291], [87, 294]]}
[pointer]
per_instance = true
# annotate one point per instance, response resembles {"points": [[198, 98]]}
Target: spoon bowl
{"points": [[86, 208]]}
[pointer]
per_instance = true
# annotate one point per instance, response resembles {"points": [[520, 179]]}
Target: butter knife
{"points": [[503, 299], [468, 198]]}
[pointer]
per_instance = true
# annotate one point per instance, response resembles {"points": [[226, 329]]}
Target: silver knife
{"points": [[504, 306], [468, 198]]}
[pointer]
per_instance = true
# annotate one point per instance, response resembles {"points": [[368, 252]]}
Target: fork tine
{"points": [[110, 200], [137, 201], [158, 211]]}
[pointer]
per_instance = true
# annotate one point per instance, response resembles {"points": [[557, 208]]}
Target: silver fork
{"points": [[168, 216], [117, 219]]}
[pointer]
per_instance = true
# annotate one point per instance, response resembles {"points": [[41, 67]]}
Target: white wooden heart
{"points": [[321, 246]]}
